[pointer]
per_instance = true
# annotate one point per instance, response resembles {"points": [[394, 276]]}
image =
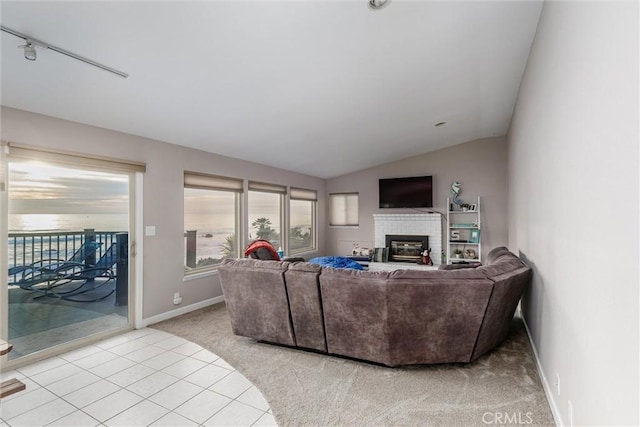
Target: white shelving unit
{"points": [[466, 225]]}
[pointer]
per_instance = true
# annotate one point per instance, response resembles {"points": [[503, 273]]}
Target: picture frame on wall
{"points": [[474, 236]]}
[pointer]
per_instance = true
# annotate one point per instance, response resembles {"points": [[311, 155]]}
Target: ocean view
{"points": [[42, 223], [209, 242]]}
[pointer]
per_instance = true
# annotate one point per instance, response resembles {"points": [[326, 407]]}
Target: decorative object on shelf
{"points": [[362, 252], [464, 225], [469, 253], [457, 253], [425, 259], [456, 189]]}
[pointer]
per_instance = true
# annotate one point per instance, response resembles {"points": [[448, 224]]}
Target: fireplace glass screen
{"points": [[406, 248]]}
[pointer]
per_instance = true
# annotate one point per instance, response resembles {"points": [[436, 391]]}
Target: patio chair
{"points": [[44, 271], [82, 281]]}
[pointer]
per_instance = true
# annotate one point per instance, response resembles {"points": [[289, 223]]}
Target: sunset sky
{"points": [[40, 188], [36, 187]]}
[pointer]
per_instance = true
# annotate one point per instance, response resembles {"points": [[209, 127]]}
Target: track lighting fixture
{"points": [[31, 54], [29, 51], [378, 4]]}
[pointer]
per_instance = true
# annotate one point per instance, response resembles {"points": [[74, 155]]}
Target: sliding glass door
{"points": [[68, 230]]}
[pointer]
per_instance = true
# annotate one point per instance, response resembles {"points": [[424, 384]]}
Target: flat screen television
{"points": [[411, 192]]}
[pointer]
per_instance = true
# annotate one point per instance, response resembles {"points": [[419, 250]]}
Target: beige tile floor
{"points": [[142, 378]]}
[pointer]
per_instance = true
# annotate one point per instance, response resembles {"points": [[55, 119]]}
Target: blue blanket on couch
{"points": [[336, 262]]}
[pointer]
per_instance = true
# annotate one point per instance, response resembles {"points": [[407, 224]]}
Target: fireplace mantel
{"points": [[411, 224]]}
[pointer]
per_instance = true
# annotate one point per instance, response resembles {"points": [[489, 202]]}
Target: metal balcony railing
{"points": [[51, 247]]}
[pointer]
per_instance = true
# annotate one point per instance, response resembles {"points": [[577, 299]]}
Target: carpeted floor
{"points": [[308, 389]]}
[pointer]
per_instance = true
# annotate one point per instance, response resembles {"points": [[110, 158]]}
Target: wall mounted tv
{"points": [[411, 192]]}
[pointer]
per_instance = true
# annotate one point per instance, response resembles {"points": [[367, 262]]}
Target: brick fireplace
{"points": [[410, 225]]}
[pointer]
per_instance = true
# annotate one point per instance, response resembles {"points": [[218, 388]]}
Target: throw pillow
{"points": [[380, 255]]}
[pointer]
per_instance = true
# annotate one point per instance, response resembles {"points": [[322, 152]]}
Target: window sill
{"points": [[200, 275]]}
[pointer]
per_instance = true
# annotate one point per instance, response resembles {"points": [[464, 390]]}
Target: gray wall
{"points": [[480, 165], [163, 203], [573, 202]]}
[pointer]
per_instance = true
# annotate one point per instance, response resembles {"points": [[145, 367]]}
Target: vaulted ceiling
{"points": [[323, 88]]}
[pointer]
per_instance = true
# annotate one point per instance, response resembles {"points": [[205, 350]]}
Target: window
{"points": [[265, 212], [343, 209], [302, 220], [211, 220]]}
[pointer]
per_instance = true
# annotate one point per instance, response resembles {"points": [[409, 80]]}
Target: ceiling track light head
{"points": [[30, 53], [378, 4]]}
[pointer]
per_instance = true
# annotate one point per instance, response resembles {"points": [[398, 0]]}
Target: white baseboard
{"points": [[545, 384], [182, 310]]}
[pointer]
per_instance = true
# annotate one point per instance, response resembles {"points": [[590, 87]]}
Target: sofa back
{"points": [[256, 299], [436, 315], [303, 288], [355, 313], [404, 317]]}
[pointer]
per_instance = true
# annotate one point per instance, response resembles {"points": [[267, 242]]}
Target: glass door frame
{"points": [[134, 305]]}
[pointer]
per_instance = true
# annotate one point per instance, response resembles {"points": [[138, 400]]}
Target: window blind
{"points": [[212, 182], [267, 188], [27, 152], [343, 209], [303, 194]]}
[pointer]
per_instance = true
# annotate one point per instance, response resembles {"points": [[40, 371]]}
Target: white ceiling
{"points": [[323, 88]]}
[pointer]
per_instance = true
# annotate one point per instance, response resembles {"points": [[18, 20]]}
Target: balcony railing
{"points": [[51, 247]]}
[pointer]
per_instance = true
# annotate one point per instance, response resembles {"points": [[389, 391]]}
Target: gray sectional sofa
{"points": [[403, 317]]}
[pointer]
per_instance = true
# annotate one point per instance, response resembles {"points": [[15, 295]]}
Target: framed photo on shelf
{"points": [[473, 207], [474, 236]]}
